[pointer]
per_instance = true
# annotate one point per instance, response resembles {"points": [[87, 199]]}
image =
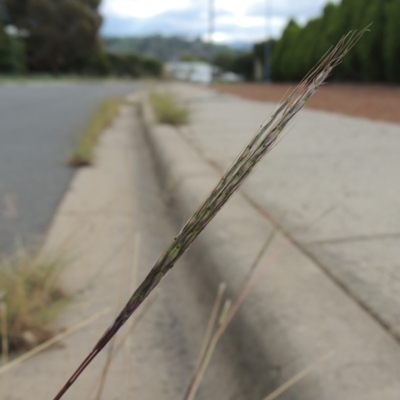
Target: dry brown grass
{"points": [[167, 110], [31, 297]]}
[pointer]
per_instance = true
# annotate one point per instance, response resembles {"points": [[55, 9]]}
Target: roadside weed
{"points": [[83, 152], [167, 110], [30, 297]]}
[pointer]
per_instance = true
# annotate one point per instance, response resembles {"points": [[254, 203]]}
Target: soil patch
{"points": [[378, 102]]}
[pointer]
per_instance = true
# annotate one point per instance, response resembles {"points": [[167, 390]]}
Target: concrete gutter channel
{"points": [[295, 314]]}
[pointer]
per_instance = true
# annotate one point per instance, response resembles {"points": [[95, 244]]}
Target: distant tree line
{"points": [[134, 65], [61, 36], [166, 48], [376, 58]]}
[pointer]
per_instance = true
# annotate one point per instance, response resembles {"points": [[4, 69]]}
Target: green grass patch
{"points": [[83, 152], [167, 109], [30, 297]]}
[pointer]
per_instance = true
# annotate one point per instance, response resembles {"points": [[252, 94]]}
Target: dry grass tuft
{"points": [[30, 298], [83, 153], [167, 110]]}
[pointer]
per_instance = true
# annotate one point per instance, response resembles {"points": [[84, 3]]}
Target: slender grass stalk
{"points": [[125, 338], [198, 377], [112, 347], [263, 141], [298, 377], [4, 333], [206, 341], [115, 348], [4, 345], [226, 315], [53, 340], [212, 320]]}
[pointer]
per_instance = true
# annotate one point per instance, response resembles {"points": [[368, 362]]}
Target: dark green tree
{"points": [[284, 64], [243, 64], [330, 33], [12, 54], [63, 34], [300, 48], [225, 60], [306, 52], [370, 49], [240, 63], [391, 43], [134, 65], [348, 18], [151, 67]]}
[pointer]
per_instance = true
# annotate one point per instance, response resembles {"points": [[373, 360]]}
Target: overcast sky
{"points": [[235, 20]]}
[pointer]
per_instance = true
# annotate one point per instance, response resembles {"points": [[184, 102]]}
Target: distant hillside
{"points": [[166, 48]]}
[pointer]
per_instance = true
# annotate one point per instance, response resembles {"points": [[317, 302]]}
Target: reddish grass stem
{"points": [[262, 142]]}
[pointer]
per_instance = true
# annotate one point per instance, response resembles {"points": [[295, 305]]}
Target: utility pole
{"points": [[211, 17], [267, 46]]}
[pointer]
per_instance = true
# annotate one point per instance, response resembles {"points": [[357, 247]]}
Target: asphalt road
{"points": [[38, 125]]}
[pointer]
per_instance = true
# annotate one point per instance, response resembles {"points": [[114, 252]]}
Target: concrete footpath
{"points": [[111, 226], [329, 284]]}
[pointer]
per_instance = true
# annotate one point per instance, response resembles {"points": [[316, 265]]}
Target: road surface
{"points": [[39, 124]]}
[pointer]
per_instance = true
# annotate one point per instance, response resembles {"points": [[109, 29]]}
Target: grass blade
{"points": [[52, 341], [298, 377]]}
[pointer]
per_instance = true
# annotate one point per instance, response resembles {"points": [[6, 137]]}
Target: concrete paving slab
{"points": [[295, 312], [370, 269], [331, 183], [349, 164]]}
